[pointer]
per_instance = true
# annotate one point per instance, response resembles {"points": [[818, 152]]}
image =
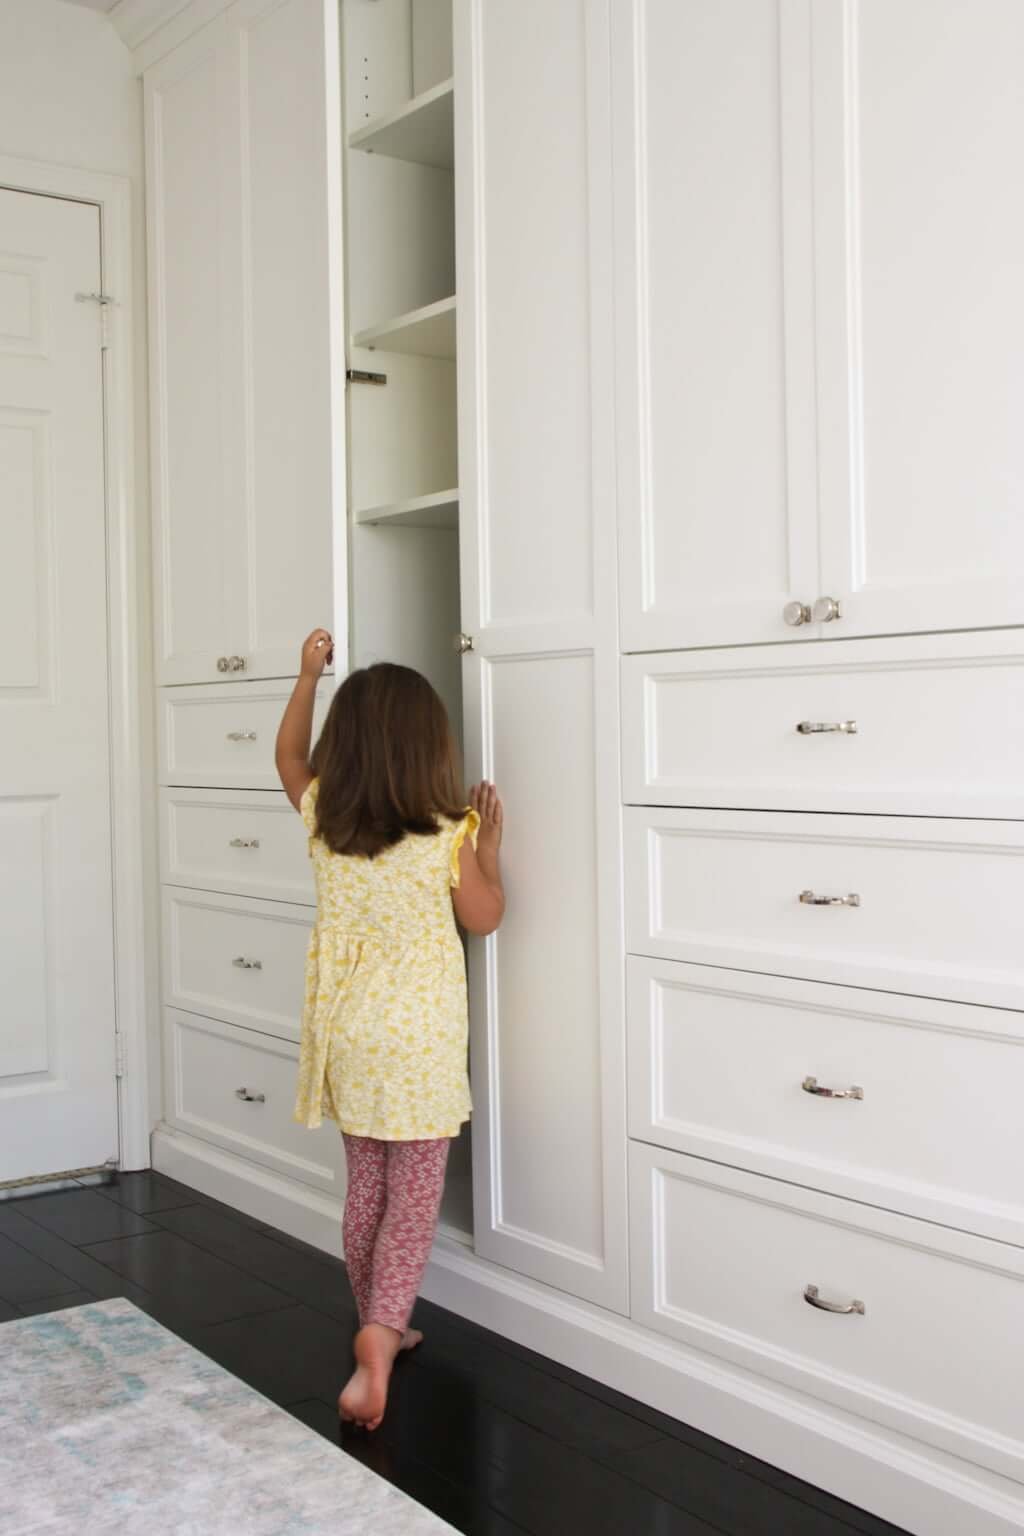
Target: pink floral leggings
{"points": [[394, 1195]]}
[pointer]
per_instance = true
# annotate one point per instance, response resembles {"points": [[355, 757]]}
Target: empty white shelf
{"points": [[427, 332], [420, 131], [439, 510]]}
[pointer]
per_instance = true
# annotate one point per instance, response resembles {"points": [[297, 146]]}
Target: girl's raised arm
{"points": [[295, 732]]}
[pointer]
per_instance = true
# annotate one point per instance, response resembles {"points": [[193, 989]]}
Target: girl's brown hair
{"points": [[386, 761]]}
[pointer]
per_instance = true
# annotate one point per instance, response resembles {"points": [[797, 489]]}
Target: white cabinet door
{"points": [[195, 399], [919, 142], [243, 145], [539, 572], [715, 314], [820, 318]]}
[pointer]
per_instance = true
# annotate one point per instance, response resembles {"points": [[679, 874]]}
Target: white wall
{"points": [[69, 96]]}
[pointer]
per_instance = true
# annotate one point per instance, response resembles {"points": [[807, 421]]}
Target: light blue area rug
{"points": [[109, 1423]]}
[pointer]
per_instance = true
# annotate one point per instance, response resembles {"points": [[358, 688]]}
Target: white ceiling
{"points": [[95, 5]]}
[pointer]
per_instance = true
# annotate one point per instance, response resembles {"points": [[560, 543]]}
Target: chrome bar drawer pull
{"points": [[247, 965], [823, 727], [241, 735], [846, 1308], [808, 899], [250, 1098], [811, 1085], [244, 842]]}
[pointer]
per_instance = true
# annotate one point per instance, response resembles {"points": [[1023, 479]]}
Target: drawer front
{"points": [[939, 727], [938, 911], [721, 1260], [718, 1066], [222, 735], [231, 958], [236, 1088], [250, 843]]}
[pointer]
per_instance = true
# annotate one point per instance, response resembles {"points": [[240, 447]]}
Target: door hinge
{"points": [[105, 301], [362, 376], [119, 1055]]}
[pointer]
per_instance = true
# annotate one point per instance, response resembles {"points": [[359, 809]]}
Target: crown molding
{"points": [[137, 20]]}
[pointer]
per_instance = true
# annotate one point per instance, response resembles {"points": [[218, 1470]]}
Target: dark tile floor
{"points": [[494, 1438]]}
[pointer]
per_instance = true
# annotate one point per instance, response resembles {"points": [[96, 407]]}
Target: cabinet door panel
{"points": [[715, 316], [243, 160], [195, 401], [292, 313], [919, 132], [537, 530]]}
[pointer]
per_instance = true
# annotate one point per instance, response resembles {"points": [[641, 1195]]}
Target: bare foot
{"points": [[410, 1339], [366, 1396]]}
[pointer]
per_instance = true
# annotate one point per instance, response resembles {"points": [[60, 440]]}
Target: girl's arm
{"points": [[296, 729], [479, 897]]}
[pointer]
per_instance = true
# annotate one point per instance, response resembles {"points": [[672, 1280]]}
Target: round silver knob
{"points": [[463, 643], [826, 609], [236, 663], [796, 614], [222, 664]]}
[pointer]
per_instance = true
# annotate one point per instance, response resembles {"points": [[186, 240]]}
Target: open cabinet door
{"points": [[537, 525]]}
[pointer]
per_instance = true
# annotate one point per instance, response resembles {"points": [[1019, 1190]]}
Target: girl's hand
{"points": [[486, 801], [317, 653]]}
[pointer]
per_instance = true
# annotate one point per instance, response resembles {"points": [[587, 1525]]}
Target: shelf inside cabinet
{"points": [[420, 131], [439, 510], [426, 332]]}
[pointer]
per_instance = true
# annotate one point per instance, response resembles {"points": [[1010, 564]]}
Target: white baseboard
{"points": [[899, 1479]]}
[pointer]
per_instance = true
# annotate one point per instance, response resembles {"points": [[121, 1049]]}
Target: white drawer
{"points": [[940, 727], [718, 1060], [249, 842], [222, 735], [237, 1089], [939, 901], [233, 958], [721, 1260]]}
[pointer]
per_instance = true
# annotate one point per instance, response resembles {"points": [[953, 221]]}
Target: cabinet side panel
{"points": [[545, 1046]]}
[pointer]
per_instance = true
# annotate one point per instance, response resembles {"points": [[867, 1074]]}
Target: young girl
{"points": [[384, 1036]]}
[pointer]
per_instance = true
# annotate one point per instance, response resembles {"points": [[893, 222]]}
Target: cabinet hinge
{"points": [[361, 376], [119, 1056]]}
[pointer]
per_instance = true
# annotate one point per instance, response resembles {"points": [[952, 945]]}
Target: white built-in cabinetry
{"points": [[248, 465], [684, 340], [820, 335]]}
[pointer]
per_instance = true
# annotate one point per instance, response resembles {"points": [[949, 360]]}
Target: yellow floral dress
{"points": [[385, 1023]]}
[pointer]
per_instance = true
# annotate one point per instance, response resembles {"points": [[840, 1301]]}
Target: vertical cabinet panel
{"points": [[919, 132], [715, 317], [243, 146], [293, 326], [538, 556], [194, 403]]}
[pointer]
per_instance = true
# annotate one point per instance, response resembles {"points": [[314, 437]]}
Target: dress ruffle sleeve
{"points": [[468, 826], [307, 806]]}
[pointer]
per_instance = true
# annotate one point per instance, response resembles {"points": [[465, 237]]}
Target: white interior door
{"points": [[537, 522], [58, 1093], [919, 142]]}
